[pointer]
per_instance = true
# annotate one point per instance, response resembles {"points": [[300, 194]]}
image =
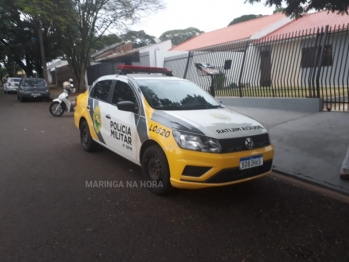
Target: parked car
{"points": [[180, 135], [33, 88], [11, 84]]}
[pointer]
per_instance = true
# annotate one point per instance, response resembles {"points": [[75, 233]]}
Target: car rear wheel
{"points": [[87, 143], [21, 99], [156, 172]]}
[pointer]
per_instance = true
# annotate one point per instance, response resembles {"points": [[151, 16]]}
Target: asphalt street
{"points": [[47, 213]]}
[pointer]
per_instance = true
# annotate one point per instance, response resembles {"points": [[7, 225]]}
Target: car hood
{"points": [[217, 123]]}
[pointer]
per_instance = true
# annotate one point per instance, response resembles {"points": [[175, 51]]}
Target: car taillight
{"points": [[9, 84]]}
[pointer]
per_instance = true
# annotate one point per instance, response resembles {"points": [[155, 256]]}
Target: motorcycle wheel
{"points": [[56, 109]]}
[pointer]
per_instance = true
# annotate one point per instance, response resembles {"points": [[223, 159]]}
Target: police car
{"points": [[179, 134]]}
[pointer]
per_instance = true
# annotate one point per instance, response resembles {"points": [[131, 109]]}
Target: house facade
{"points": [[303, 58]]}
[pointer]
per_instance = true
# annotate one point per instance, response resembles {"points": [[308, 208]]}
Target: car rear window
{"points": [[16, 80], [34, 82]]}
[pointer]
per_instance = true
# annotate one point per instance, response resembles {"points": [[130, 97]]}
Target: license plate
{"points": [[249, 162], [35, 95]]}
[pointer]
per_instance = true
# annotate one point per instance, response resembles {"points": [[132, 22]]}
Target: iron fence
{"points": [[302, 64]]}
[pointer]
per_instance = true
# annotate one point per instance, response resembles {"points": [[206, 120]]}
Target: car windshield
{"points": [[175, 95], [34, 82]]}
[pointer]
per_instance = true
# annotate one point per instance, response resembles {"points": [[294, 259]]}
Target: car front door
{"points": [[122, 126], [98, 105]]}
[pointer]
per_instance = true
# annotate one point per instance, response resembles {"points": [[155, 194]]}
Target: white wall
{"points": [[152, 51]]}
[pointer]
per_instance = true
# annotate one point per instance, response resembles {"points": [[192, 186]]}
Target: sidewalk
{"points": [[308, 146]]}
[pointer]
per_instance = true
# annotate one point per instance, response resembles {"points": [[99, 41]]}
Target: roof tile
{"points": [[243, 30], [310, 22]]}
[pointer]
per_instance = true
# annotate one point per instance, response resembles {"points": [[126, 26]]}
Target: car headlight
{"points": [[197, 143]]}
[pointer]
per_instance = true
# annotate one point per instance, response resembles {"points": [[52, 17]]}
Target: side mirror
{"points": [[127, 106]]}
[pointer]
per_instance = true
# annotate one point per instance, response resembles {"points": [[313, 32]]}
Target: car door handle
{"points": [[88, 107], [108, 116]]}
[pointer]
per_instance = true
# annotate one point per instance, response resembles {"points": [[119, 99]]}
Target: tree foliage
{"points": [[19, 37], [243, 18], [138, 38], [279, 10], [180, 35], [100, 42], [295, 8], [88, 18]]}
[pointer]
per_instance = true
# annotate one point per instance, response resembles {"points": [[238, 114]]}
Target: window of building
{"points": [[311, 56]]}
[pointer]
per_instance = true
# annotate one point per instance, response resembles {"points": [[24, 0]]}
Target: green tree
{"points": [[138, 38], [279, 10], [295, 8], [100, 42], [179, 36], [42, 13], [20, 41], [243, 18], [89, 18]]}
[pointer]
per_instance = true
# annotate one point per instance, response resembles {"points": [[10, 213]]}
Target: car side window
{"points": [[123, 92], [101, 90]]}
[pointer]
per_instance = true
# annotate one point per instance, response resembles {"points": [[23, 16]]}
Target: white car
{"points": [[180, 135], [11, 84]]}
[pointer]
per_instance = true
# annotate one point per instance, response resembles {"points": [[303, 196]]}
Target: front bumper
{"points": [[194, 170]]}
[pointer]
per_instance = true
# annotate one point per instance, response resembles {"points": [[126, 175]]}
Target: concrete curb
{"points": [[312, 182]]}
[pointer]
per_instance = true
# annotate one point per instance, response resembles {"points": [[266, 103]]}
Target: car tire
{"points": [[155, 169], [87, 143], [21, 99]]}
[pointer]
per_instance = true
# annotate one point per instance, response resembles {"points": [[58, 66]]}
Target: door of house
{"points": [[265, 66]]}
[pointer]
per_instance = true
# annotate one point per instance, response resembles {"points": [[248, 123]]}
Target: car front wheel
{"points": [[156, 172]]}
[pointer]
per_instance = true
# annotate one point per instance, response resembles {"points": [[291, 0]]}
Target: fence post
{"points": [[320, 62], [190, 55], [242, 67]]}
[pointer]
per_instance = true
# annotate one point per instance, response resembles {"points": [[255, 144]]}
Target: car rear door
{"points": [[98, 106]]}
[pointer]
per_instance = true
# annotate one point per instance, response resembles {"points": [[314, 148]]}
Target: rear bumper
{"points": [[35, 94], [11, 89]]}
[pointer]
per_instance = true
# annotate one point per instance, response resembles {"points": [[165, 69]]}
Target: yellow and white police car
{"points": [[179, 134]]}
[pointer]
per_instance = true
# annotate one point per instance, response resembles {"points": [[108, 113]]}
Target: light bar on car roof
{"points": [[144, 69]]}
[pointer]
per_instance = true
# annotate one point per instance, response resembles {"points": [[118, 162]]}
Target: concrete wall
{"points": [[290, 104]]}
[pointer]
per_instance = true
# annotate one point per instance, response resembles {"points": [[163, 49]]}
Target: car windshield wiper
{"points": [[203, 106]]}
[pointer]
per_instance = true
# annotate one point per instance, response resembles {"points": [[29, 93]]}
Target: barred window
{"points": [[311, 56]]}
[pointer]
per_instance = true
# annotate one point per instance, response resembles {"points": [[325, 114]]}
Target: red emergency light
{"points": [[144, 69]]}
